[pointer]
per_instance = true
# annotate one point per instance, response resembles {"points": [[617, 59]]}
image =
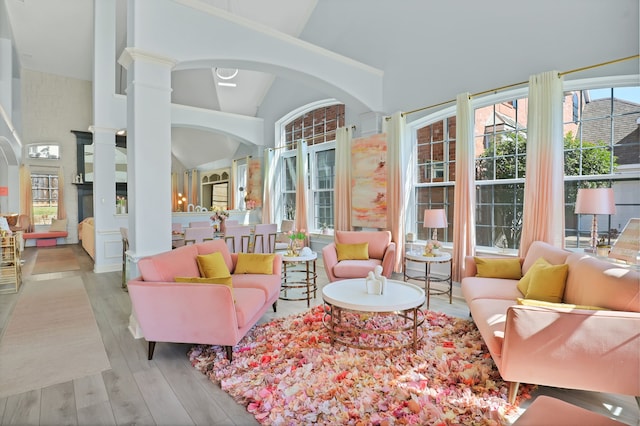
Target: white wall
{"points": [[52, 106]]}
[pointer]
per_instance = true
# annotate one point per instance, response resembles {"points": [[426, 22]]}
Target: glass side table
{"points": [[428, 278], [299, 276]]}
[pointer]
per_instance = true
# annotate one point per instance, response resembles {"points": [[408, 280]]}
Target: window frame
{"points": [[414, 219]]}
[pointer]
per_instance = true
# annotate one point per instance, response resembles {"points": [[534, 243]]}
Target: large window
{"points": [[44, 193], [318, 128], [601, 145], [435, 172]]}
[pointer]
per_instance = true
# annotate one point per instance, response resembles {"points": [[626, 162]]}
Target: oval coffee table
{"points": [[360, 320]]}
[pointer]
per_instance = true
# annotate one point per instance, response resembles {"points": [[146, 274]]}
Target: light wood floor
{"points": [[167, 390]]}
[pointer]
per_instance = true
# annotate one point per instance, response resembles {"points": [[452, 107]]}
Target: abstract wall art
{"points": [[369, 181]]}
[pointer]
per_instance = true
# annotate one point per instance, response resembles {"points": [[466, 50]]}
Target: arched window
{"points": [[317, 125]]}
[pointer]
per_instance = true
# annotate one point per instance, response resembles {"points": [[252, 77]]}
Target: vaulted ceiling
{"points": [[57, 37]]}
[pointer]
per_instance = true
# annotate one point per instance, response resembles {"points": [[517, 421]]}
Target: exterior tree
{"points": [[505, 158]]}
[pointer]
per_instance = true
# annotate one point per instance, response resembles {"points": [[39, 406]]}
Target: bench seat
{"points": [[46, 238]]}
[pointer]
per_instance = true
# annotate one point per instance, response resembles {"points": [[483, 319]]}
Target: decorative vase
{"points": [[435, 251], [223, 227]]}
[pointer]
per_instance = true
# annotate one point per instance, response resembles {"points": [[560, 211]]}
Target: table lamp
{"points": [[434, 219], [595, 201]]}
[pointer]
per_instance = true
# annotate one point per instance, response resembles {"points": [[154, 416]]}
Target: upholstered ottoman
{"points": [[554, 412]]}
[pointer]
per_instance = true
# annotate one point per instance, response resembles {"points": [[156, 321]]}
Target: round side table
{"points": [[427, 277], [299, 272]]}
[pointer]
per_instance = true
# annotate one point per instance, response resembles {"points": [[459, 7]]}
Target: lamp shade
{"points": [[595, 201], [435, 218]]}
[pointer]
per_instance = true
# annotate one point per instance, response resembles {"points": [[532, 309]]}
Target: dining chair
{"points": [[197, 235], [176, 228], [238, 238], [264, 239], [199, 224]]}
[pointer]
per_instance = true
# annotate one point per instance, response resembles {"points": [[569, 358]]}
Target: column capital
{"points": [[131, 54]]}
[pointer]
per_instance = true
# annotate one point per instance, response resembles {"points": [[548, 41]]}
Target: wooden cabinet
{"points": [[10, 268]]}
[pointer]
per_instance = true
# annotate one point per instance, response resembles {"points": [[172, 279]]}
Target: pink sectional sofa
{"points": [[567, 347], [168, 311]]}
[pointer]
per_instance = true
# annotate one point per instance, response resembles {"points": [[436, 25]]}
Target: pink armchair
{"points": [[382, 252]]}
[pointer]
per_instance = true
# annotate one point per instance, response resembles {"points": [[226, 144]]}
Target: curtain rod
{"points": [[497, 89]]}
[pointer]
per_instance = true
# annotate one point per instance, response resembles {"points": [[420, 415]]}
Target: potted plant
{"points": [[602, 248]]}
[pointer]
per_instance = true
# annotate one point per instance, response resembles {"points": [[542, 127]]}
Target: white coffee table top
{"points": [[419, 257], [299, 258], [352, 294]]}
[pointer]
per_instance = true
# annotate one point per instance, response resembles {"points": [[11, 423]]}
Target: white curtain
{"points": [[342, 184], [543, 211], [301, 187], [394, 127], [269, 178], [464, 203]]}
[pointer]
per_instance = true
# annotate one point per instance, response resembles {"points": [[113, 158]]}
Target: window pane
{"points": [[44, 193]]}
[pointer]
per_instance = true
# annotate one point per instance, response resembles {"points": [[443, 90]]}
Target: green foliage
{"points": [[505, 158], [595, 160]]}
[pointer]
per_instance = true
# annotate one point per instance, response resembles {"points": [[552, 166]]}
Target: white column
{"points": [[104, 195], [108, 248], [148, 152]]}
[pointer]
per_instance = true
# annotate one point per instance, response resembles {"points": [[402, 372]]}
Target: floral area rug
{"points": [[286, 372]]}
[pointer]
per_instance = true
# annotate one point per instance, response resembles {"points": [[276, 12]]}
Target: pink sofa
{"points": [[596, 350], [382, 251], [168, 311]]}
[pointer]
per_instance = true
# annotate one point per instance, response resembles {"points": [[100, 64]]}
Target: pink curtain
{"points": [[543, 211], [62, 212], [301, 187], [195, 187], [464, 224], [269, 171], [342, 184], [174, 192], [185, 189], [396, 211], [26, 198]]}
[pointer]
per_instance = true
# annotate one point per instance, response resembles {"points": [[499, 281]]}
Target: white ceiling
{"points": [[56, 37]]}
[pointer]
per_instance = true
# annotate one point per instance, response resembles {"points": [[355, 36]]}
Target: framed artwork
{"points": [[369, 181], [254, 182]]}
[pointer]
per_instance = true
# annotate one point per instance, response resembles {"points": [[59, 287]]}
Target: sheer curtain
{"points": [[396, 211], [174, 192], [342, 184], [269, 174], [26, 197], [301, 187], [543, 211], [464, 203], [62, 212], [194, 187]]}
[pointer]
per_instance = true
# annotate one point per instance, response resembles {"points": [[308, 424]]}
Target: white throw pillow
{"points": [[58, 225]]}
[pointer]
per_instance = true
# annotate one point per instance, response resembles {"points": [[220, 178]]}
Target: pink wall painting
{"points": [[369, 181], [254, 181]]}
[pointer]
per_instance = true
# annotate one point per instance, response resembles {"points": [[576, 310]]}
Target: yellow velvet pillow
{"points": [[226, 281], [523, 284], [212, 265], [543, 304], [359, 251], [498, 268], [547, 283], [254, 263]]}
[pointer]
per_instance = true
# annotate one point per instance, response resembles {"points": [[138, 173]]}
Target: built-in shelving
{"points": [[10, 268]]}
